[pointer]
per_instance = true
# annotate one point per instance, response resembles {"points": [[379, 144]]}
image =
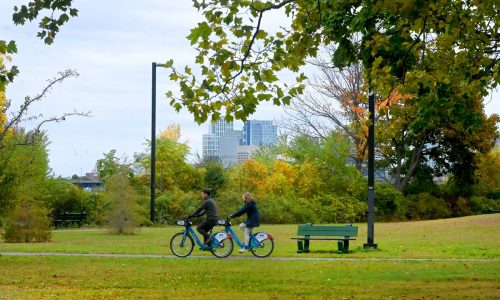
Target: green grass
{"points": [[134, 278], [58, 277], [467, 237]]}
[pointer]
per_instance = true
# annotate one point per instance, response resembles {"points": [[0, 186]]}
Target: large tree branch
{"points": [[18, 117]]}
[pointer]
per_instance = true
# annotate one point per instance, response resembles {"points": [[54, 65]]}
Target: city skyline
{"points": [[230, 146]]}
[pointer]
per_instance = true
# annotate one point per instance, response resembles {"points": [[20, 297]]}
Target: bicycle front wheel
{"points": [[181, 245], [264, 248], [222, 248]]}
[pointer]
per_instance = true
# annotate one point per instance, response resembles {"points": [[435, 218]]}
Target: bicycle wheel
{"points": [[222, 248], [181, 246], [264, 248]]}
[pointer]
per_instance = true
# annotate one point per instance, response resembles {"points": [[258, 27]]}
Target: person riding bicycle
{"points": [[253, 218], [208, 207]]}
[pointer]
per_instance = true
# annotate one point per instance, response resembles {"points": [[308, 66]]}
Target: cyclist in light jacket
{"points": [[253, 218]]}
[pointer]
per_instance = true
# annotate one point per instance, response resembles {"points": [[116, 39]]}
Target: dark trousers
{"points": [[205, 227]]}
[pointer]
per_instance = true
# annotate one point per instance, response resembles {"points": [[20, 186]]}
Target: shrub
{"points": [[494, 194], [425, 206], [389, 203], [480, 205], [26, 223], [176, 205], [125, 212], [339, 209]]}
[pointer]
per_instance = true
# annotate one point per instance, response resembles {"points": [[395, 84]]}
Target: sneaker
{"points": [[243, 250]]}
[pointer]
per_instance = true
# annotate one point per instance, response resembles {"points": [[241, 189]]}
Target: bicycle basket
{"points": [[181, 223]]}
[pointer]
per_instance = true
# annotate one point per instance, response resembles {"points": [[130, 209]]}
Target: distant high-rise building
{"points": [[210, 142], [220, 128], [228, 147], [259, 133], [232, 146]]}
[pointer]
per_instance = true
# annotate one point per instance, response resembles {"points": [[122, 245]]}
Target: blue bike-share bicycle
{"points": [[261, 243], [182, 243]]}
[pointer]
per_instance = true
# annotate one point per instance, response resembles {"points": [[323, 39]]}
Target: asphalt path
{"points": [[246, 257]]}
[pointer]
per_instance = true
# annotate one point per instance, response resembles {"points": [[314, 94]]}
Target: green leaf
{"points": [[11, 47], [169, 63]]}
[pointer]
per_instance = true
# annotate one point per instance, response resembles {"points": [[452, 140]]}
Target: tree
{"points": [[215, 175], [335, 103], [22, 169], [488, 172], [110, 165], [436, 132], [124, 212], [396, 42], [172, 169]]}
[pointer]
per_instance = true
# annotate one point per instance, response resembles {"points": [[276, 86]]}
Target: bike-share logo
{"points": [[261, 236], [220, 236]]}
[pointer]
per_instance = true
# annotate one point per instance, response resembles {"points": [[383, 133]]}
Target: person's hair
{"points": [[247, 195], [206, 191]]}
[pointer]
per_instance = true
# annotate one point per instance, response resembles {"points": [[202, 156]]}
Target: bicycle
{"points": [[182, 243], [261, 243]]}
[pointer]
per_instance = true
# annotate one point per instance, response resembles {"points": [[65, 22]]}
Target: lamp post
{"points": [[153, 139], [153, 142], [370, 244]]}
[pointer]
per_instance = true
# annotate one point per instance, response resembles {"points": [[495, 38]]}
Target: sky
{"points": [[112, 44]]}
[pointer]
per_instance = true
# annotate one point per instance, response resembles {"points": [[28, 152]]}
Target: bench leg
{"points": [[340, 246], [300, 246], [306, 246], [343, 246]]}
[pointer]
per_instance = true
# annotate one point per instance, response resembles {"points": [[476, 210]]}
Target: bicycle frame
{"points": [[189, 230], [253, 241]]}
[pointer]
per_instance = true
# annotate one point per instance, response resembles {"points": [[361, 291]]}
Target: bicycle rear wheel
{"points": [[222, 248], [261, 249], [181, 245]]}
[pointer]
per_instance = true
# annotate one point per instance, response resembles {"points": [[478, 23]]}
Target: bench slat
{"points": [[327, 230]]}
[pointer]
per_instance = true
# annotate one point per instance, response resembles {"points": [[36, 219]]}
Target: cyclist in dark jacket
{"points": [[208, 207], [253, 218]]}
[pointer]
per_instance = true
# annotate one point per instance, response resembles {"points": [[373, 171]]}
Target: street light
{"points": [[153, 140], [371, 172]]}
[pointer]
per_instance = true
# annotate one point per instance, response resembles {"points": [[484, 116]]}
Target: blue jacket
{"points": [[253, 217]]}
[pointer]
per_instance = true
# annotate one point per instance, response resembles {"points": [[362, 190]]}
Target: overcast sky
{"points": [[112, 44]]}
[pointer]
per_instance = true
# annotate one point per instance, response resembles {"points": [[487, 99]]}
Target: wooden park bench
{"points": [[342, 234], [66, 218]]}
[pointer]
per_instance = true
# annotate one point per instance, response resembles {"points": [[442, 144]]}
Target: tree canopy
{"points": [[410, 44]]}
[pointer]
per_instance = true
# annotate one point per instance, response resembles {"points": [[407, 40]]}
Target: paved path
{"points": [[249, 257]]}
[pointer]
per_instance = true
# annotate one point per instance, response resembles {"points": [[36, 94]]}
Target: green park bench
{"points": [[341, 234], [65, 218]]}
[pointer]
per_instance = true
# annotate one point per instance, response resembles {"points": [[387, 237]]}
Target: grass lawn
{"points": [[477, 237], [467, 237], [154, 278]]}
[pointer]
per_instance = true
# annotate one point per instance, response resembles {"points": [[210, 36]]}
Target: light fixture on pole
{"points": [[153, 140]]}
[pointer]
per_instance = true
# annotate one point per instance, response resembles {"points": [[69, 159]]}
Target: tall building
{"points": [[210, 141], [259, 133], [228, 147], [220, 128], [231, 146]]}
